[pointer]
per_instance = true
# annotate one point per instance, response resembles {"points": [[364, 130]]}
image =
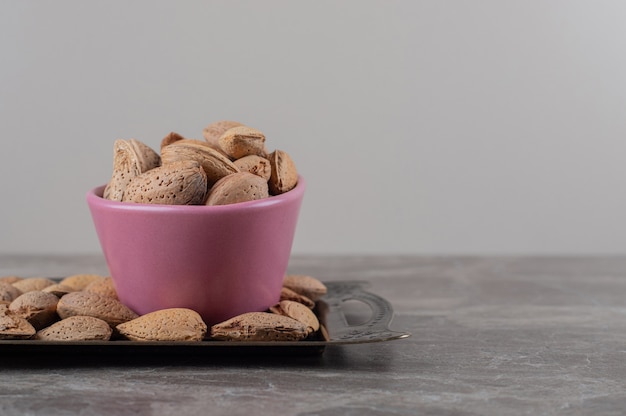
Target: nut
{"points": [[214, 131], [37, 307], [108, 309], [178, 183], [12, 326], [214, 164], [259, 326], [284, 175], [131, 158], [299, 312], [8, 292], [307, 286], [174, 324], [288, 294], [241, 141], [76, 328], [237, 187], [103, 287], [258, 165], [80, 281], [33, 283]]}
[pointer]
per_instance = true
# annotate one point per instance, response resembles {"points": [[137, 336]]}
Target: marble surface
{"points": [[491, 336]]}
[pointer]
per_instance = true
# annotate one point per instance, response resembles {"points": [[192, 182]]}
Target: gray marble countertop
{"points": [[490, 336]]}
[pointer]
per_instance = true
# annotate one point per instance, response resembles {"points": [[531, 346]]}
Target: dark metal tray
{"points": [[330, 310]]}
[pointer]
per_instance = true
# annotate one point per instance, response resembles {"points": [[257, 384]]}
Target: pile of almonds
{"points": [[85, 307], [231, 164]]}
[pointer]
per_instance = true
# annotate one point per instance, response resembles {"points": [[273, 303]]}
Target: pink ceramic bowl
{"points": [[220, 261]]}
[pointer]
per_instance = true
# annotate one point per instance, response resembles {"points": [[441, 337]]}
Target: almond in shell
{"points": [[76, 328], [237, 187], [173, 324], [8, 292], [33, 283], [305, 285], [214, 131], [14, 327], [177, 183], [110, 310], [80, 281], [38, 308], [131, 158], [241, 141], [299, 312], [214, 164], [284, 176], [258, 165], [259, 326]]}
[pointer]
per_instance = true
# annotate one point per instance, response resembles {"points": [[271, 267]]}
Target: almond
{"points": [[8, 292], [214, 164], [76, 328], [238, 187], [259, 326], [258, 165], [10, 279], [104, 287], [38, 308], [172, 137], [108, 309], [80, 281], [284, 175], [174, 324], [241, 141], [177, 183], [288, 294], [148, 158], [58, 290], [305, 285], [125, 168], [214, 131], [33, 283], [299, 312], [12, 326]]}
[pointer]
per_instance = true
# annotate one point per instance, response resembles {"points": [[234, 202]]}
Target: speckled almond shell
{"points": [[241, 141], [108, 309], [8, 292], [33, 283], [171, 137], [58, 290], [214, 163], [299, 312], [173, 324], [80, 281], [76, 328], [305, 285], [259, 326], [284, 175], [177, 183], [125, 168], [148, 158], [257, 165], [288, 294], [10, 279], [38, 308], [214, 131], [12, 326], [237, 187], [104, 287]]}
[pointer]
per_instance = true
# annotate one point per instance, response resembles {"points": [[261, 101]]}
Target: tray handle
{"points": [[375, 329]]}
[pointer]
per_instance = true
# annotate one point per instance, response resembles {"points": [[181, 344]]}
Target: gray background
{"points": [[421, 126]]}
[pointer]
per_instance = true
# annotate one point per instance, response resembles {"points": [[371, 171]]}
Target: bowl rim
{"points": [[94, 198]]}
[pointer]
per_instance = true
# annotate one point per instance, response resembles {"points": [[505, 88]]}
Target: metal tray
{"points": [[330, 311]]}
